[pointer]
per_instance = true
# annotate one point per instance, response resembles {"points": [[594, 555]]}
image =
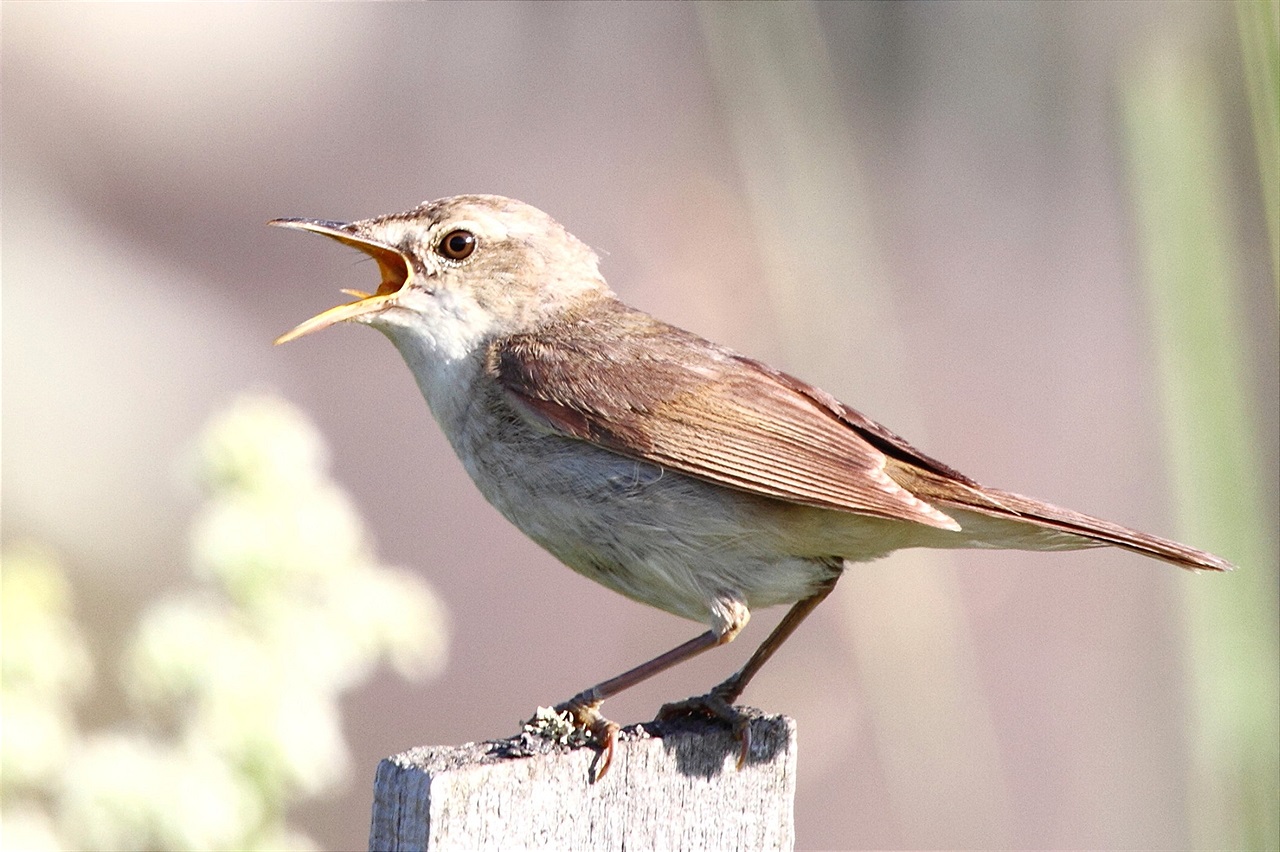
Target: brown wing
{"points": [[622, 380], [950, 494]]}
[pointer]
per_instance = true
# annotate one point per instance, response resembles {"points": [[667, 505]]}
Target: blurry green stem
{"points": [[1186, 230], [1259, 25]]}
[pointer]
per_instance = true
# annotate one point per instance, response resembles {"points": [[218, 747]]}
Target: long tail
{"points": [[946, 493]]}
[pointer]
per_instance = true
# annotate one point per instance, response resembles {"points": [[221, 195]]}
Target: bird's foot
{"points": [[583, 713], [718, 706]]}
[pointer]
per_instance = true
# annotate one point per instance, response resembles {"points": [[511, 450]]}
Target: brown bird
{"points": [[659, 464]]}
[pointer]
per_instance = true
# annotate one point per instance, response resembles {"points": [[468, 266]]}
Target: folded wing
{"points": [[657, 393]]}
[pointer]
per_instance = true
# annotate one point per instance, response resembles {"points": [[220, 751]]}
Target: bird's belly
{"points": [[655, 535]]}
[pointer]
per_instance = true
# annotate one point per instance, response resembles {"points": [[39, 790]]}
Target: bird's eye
{"points": [[458, 245]]}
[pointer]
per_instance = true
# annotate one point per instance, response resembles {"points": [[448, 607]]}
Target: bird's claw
{"points": [[586, 715], [714, 705]]}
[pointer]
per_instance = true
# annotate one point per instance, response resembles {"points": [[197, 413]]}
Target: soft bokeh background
{"points": [[975, 222]]}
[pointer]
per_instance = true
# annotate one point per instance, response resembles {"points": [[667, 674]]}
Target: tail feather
{"points": [[946, 493]]}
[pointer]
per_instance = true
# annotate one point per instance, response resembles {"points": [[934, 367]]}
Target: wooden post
{"points": [[673, 785]]}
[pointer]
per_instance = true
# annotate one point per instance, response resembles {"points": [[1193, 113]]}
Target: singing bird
{"points": [[666, 467]]}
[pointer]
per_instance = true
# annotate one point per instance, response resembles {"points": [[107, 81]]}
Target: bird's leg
{"points": [[585, 706], [731, 689], [731, 616], [718, 703]]}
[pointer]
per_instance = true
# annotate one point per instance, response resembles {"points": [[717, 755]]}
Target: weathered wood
{"points": [[671, 786]]}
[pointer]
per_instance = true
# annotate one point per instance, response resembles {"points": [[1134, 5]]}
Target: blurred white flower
{"points": [[44, 665], [236, 682]]}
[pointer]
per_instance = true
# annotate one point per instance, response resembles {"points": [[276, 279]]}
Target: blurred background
{"points": [[1038, 240]]}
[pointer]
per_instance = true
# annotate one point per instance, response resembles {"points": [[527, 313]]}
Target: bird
{"points": [[664, 466]]}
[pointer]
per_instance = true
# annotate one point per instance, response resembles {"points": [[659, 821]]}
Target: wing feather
{"points": [[622, 380]]}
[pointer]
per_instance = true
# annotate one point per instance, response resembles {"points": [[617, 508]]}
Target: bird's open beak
{"points": [[394, 266]]}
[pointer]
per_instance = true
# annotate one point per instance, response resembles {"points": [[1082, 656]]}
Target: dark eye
{"points": [[458, 245]]}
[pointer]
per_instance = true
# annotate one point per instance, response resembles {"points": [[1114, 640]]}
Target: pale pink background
{"points": [[146, 146]]}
